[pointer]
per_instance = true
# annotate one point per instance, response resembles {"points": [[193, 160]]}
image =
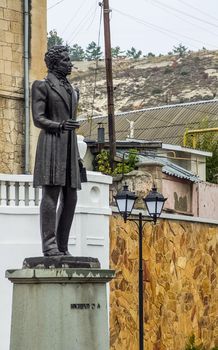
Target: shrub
{"points": [[184, 71], [156, 91], [168, 70]]}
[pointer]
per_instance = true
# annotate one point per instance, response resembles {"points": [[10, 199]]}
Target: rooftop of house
{"points": [[168, 166], [165, 124]]}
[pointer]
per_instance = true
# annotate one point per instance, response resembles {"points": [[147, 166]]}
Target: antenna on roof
{"points": [[131, 129]]}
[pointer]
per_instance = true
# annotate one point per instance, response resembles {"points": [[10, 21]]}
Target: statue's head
{"points": [[57, 59]]}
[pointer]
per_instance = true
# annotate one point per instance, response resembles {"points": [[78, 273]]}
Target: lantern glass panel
{"points": [[125, 205], [159, 208], [121, 203], [130, 204], [151, 206]]}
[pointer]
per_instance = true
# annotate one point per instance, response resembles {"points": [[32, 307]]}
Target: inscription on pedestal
{"points": [[85, 306]]}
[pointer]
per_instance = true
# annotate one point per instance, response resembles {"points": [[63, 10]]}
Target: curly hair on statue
{"points": [[53, 55]]}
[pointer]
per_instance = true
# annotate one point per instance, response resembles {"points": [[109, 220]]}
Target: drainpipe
{"points": [[26, 85]]}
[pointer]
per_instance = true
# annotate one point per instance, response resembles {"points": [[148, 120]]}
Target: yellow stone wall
{"points": [[11, 86], [37, 66], [180, 284], [12, 74]]}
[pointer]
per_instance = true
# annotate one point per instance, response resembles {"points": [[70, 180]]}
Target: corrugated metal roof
{"points": [[169, 167], [166, 123], [173, 169]]}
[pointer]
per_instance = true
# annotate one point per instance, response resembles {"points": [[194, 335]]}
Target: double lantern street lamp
{"points": [[154, 202]]}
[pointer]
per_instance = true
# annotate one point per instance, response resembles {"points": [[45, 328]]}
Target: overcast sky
{"points": [[148, 25]]}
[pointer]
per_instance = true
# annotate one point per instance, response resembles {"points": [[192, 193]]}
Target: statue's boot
{"points": [[49, 244], [53, 252], [65, 214]]}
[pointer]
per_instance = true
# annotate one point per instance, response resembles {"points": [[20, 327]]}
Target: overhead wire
{"points": [[198, 9], [185, 20], [81, 24], [73, 17], [92, 20], [160, 29], [57, 3], [185, 13]]}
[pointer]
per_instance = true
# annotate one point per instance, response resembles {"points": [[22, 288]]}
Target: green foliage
{"points": [[76, 53], [192, 346], [133, 53], [208, 142], [93, 52], [116, 52], [180, 50], [151, 54], [53, 39], [103, 163]]}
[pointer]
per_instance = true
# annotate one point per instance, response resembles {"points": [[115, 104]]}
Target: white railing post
{"points": [[31, 196], [11, 194], [21, 199], [3, 193]]}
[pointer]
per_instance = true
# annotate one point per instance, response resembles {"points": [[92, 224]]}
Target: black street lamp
{"points": [[154, 202]]}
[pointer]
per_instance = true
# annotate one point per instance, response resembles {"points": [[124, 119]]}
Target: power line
{"points": [[160, 29], [186, 14], [82, 23], [197, 9], [73, 17], [184, 20], [150, 25], [57, 3], [92, 20]]}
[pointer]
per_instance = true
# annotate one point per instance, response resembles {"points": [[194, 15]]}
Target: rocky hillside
{"points": [[148, 82]]}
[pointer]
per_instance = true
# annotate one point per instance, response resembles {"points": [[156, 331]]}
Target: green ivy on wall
{"points": [[129, 163]]}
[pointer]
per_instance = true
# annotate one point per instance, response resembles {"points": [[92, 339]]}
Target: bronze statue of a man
{"points": [[57, 163]]}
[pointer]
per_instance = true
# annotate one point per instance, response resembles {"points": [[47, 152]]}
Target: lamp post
{"points": [[154, 202]]}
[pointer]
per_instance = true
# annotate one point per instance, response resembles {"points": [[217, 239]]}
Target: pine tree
{"points": [[133, 53], [180, 50], [116, 52], [53, 39], [76, 53], [93, 52]]}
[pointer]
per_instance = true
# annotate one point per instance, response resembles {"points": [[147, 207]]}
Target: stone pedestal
{"points": [[59, 309]]}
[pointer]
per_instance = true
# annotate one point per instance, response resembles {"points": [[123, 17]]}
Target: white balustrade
{"points": [[18, 191]]}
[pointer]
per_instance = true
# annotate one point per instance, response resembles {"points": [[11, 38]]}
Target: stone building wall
{"points": [[12, 75], [180, 284], [11, 86]]}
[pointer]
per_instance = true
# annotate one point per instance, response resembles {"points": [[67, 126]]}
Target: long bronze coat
{"points": [[51, 105]]}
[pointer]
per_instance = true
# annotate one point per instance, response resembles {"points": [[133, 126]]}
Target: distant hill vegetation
{"points": [[148, 81]]}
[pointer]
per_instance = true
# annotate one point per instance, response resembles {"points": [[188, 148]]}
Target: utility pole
{"points": [[109, 78]]}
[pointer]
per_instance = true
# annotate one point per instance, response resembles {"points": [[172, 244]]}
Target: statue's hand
{"points": [[70, 125]]}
